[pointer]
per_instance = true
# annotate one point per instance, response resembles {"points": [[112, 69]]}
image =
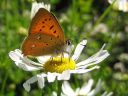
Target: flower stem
{"points": [[4, 83], [59, 88]]}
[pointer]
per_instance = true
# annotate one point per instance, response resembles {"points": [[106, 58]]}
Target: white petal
{"points": [[96, 90], [41, 80], [121, 5], [95, 59], [125, 5], [77, 91], [86, 88], [67, 90], [25, 67], [64, 76], [110, 94], [15, 55], [81, 71], [23, 62], [43, 59], [51, 76], [104, 94], [36, 6], [27, 85], [107, 94], [110, 1], [92, 61], [79, 49], [54, 93], [30, 62]]}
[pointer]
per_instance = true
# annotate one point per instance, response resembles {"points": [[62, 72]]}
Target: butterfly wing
{"points": [[44, 22], [45, 35], [41, 44]]}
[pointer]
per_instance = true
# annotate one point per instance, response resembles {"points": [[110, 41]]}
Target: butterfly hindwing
{"points": [[38, 44]]}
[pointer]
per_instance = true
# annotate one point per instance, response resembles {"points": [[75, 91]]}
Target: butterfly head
{"points": [[68, 42], [68, 46]]}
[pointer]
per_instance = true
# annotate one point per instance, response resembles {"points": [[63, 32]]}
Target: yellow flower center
{"points": [[59, 64]]}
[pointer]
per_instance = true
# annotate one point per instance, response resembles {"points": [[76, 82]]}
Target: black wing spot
{"points": [[40, 30], [54, 31], [46, 44], [43, 26], [43, 22], [45, 19], [51, 38], [51, 27], [49, 19]]}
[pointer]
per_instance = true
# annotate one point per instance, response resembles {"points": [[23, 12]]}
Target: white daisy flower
{"points": [[59, 68], [85, 90], [121, 5]]}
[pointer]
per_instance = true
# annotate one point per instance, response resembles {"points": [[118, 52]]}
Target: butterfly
{"points": [[45, 35]]}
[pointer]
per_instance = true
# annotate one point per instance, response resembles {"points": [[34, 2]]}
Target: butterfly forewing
{"points": [[44, 22], [45, 35]]}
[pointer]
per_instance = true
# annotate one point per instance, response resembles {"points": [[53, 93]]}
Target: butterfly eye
{"points": [[68, 42]]}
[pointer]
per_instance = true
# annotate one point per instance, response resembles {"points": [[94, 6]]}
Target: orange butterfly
{"points": [[45, 35]]}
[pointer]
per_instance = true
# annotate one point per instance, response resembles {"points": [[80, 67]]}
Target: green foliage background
{"points": [[79, 19]]}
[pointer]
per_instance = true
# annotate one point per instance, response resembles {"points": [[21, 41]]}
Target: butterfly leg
{"points": [[51, 58], [62, 56], [69, 54]]}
